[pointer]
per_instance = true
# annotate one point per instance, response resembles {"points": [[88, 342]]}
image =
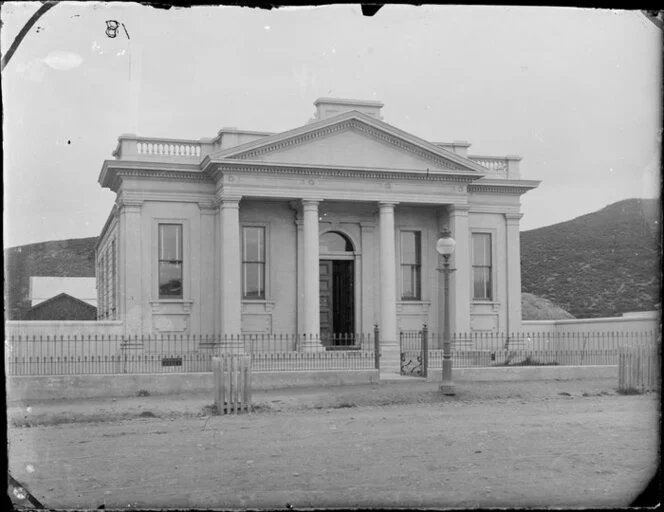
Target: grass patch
{"points": [[143, 392], [344, 405], [51, 421]]}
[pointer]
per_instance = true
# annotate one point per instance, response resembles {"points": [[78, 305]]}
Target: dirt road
{"points": [[591, 451]]}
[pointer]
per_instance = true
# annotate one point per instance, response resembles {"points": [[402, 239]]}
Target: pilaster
{"points": [[513, 270], [367, 234], [231, 269], [130, 268], [208, 272]]}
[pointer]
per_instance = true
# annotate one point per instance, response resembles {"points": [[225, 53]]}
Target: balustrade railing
{"points": [[131, 146], [168, 149], [498, 166]]}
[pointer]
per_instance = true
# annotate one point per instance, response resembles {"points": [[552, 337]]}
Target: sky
{"points": [[575, 92]]}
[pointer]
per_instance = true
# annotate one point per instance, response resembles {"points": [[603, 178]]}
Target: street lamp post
{"points": [[445, 247]]}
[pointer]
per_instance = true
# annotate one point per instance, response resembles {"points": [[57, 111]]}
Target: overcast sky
{"points": [[575, 92]]}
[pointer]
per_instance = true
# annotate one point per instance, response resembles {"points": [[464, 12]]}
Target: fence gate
{"points": [[232, 384], [414, 352], [638, 368]]}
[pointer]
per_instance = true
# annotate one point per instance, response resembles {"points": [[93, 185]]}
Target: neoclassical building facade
{"points": [[326, 228]]}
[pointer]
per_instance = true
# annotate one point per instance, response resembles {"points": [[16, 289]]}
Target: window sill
{"points": [[159, 303], [268, 304]]}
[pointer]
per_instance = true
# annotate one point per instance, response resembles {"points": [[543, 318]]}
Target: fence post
{"points": [[425, 351], [377, 346], [218, 376]]}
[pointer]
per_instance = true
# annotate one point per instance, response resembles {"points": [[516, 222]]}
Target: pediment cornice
{"points": [[349, 121], [351, 125], [258, 167]]}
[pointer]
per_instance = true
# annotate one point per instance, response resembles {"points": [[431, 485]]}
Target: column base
{"points": [[311, 345], [390, 357]]}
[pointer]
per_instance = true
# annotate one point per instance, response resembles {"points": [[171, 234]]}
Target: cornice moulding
{"points": [[258, 167]]}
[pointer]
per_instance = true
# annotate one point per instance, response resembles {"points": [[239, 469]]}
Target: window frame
{"points": [[418, 265], [263, 263], [490, 289], [181, 225]]}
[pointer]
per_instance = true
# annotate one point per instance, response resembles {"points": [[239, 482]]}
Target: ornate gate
{"points": [[414, 352]]}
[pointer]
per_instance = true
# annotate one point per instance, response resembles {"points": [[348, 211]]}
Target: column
{"points": [[460, 284], [131, 256], [231, 271], [310, 277], [513, 268], [389, 343]]}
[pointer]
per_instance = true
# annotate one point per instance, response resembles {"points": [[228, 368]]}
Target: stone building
{"points": [[326, 228]]}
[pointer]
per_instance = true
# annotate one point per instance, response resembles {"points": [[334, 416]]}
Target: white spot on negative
{"points": [[30, 468]]}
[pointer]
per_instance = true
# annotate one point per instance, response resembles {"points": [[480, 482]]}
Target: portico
{"points": [[324, 230]]}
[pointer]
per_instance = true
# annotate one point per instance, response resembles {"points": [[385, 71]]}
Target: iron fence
{"points": [[484, 350], [90, 354]]}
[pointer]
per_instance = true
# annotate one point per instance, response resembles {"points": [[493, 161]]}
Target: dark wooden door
{"points": [[326, 300], [343, 304]]}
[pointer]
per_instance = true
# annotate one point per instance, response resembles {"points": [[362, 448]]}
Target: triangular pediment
{"points": [[352, 140]]}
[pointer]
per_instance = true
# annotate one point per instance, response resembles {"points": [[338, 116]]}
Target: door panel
{"points": [[343, 296], [326, 299]]}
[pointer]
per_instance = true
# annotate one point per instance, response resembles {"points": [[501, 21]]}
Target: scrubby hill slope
{"points": [[601, 264], [57, 258]]}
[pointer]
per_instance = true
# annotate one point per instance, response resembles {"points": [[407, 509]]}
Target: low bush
{"points": [[528, 361], [629, 391]]}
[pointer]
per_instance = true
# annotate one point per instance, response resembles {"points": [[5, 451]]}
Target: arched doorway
{"points": [[337, 294]]}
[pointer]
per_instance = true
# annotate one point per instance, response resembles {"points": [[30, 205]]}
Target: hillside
{"points": [[57, 258], [538, 308], [601, 264]]}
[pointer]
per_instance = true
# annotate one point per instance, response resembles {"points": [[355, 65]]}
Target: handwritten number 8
{"points": [[112, 28]]}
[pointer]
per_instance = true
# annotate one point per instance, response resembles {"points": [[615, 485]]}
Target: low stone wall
{"points": [[66, 328], [23, 388], [629, 322], [528, 373]]}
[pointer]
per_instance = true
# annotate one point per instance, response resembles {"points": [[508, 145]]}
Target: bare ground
{"points": [[502, 444]]}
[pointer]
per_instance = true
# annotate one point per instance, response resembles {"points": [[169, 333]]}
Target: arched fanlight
{"points": [[333, 241]]}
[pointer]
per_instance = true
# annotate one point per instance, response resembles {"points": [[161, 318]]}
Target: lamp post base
{"points": [[447, 388]]}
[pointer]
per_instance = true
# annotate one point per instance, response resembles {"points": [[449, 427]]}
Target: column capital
{"points": [[129, 204], [387, 204], [458, 209], [207, 207], [228, 200], [310, 204], [514, 217]]}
